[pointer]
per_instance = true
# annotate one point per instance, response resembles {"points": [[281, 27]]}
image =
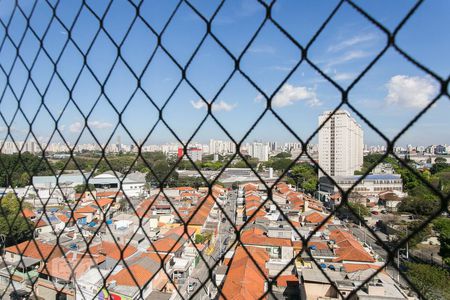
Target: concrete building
{"points": [[372, 184], [221, 147], [259, 151], [340, 144], [194, 153]]}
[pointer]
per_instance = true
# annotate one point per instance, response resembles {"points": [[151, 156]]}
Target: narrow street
{"points": [[200, 274]]}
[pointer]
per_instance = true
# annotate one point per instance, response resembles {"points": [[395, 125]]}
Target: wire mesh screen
{"points": [[84, 216]]}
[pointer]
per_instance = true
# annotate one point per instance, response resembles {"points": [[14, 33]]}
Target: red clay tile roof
{"points": [[256, 236], [252, 198], [62, 217], [65, 269], [86, 210], [244, 279], [284, 190], [113, 250], [349, 249], [185, 188], [201, 215], [143, 207], [77, 216], [314, 217], [250, 187], [125, 276], [320, 245], [349, 268], [35, 249], [103, 202], [171, 242], [112, 194], [315, 206], [40, 223], [28, 213], [285, 280]]}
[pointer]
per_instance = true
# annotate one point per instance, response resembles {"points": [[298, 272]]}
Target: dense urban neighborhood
{"points": [[150, 226]]}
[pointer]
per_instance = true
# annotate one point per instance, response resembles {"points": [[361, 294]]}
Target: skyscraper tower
{"points": [[341, 144]]}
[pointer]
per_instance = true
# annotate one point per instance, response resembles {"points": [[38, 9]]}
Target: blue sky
{"points": [[389, 95]]}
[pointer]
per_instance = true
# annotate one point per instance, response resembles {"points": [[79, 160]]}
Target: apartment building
{"points": [[371, 185], [340, 144], [259, 151]]}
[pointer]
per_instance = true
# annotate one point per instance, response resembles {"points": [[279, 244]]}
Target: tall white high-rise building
{"points": [[259, 151], [340, 144], [221, 147]]}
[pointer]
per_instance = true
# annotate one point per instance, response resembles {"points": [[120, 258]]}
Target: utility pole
{"points": [[359, 215], [364, 235], [407, 246], [398, 266], [218, 229]]}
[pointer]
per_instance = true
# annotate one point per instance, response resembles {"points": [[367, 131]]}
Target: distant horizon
{"points": [[206, 142]]}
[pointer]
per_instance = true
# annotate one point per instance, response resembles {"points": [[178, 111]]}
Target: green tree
{"points": [[199, 239], [283, 155], [123, 204], [162, 169], [81, 188], [419, 236], [13, 225], [440, 160], [431, 281], [360, 209], [16, 169], [240, 163], [421, 201], [305, 176], [442, 226], [279, 164], [439, 167], [212, 165]]}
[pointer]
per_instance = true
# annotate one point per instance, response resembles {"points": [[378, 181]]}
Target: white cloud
{"points": [[75, 127], [263, 49], [343, 76], [99, 125], [281, 68], [78, 126], [259, 98], [289, 94], [355, 40], [410, 91], [217, 106], [348, 56]]}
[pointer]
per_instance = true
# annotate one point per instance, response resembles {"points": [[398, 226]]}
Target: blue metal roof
{"points": [[382, 176]]}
